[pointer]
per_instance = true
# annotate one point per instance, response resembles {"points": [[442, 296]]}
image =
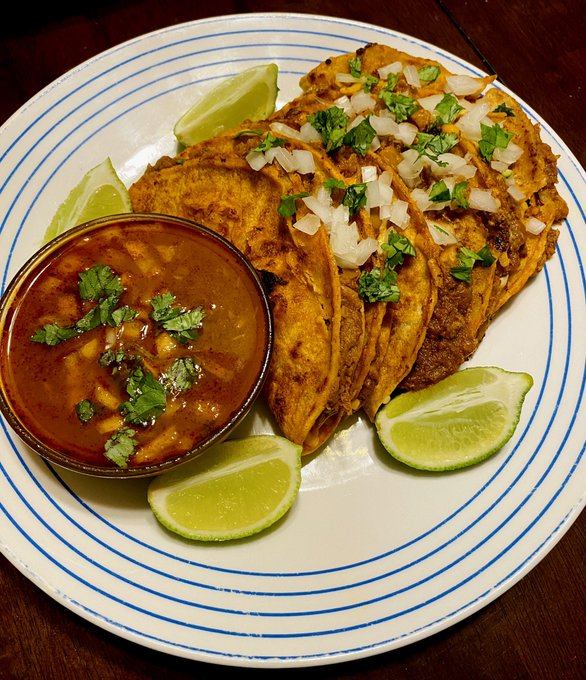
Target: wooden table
{"points": [[534, 630]]}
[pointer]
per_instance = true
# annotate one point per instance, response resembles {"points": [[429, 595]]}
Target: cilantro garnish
{"points": [[392, 80], [433, 145], [110, 357], [379, 285], [181, 376], [269, 142], [396, 248], [427, 74], [503, 108], [98, 282], [439, 192], [355, 197], [493, 137], [248, 133], [333, 183], [355, 66], [105, 314], [447, 109], [121, 446], [400, 105], [460, 195], [369, 82], [331, 125], [52, 334], [287, 206], [85, 410], [466, 260], [147, 398], [360, 137], [179, 322]]}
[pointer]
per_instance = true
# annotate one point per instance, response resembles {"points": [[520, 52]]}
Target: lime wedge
{"points": [[247, 95], [455, 423], [234, 489], [100, 193]]}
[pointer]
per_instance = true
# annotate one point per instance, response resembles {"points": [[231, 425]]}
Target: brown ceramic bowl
{"points": [[15, 413]]}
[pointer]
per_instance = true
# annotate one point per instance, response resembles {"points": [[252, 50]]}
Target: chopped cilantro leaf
{"points": [[248, 133], [110, 357], [466, 260], [147, 398], [287, 206], [269, 142], [355, 197], [333, 183], [392, 80], [360, 137], [105, 314], [98, 282], [427, 74], [396, 247], [179, 322], [503, 108], [439, 192], [493, 137], [331, 125], [121, 446], [379, 285], [486, 256], [355, 66], [460, 195], [52, 334], [434, 145], [122, 314], [85, 410], [447, 109], [400, 105], [181, 375], [369, 82]]}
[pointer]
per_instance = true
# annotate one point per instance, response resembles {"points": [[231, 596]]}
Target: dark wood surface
{"points": [[536, 629]]}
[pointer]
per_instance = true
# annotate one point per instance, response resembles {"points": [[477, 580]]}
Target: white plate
{"points": [[373, 555]]}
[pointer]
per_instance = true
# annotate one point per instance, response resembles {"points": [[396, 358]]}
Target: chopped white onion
{"points": [[429, 103], [509, 155], [384, 126], [515, 192], [375, 144], [304, 162], [464, 85], [346, 78], [320, 207], [308, 225], [369, 173], [410, 167], [385, 191], [256, 160], [441, 234], [309, 134], [534, 226], [361, 101], [421, 199], [323, 196], [396, 67], [384, 211], [285, 159], [407, 133], [270, 154], [357, 256], [469, 123], [399, 214], [454, 165], [385, 178], [344, 104], [499, 166], [481, 199], [412, 76], [373, 197], [355, 122], [285, 130]]}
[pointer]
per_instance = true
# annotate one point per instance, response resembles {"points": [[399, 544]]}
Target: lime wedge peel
{"points": [[235, 489], [458, 422], [249, 95], [99, 193]]}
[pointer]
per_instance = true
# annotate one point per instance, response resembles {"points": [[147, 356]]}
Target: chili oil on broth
{"points": [[45, 383]]}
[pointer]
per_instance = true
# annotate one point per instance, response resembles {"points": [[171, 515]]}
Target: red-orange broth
{"points": [[44, 383]]}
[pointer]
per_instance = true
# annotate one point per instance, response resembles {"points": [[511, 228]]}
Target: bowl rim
{"points": [[64, 460]]}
